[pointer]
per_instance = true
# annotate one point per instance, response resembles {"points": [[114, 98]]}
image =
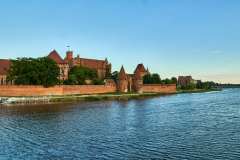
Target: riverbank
{"points": [[199, 90], [93, 97], [75, 98], [84, 130]]}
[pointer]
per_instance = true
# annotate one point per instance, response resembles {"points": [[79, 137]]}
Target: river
{"points": [[183, 126]]}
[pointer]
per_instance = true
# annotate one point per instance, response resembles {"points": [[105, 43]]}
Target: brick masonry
{"points": [[158, 88], [14, 90]]}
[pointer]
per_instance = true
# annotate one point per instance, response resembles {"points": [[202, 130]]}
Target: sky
{"points": [[171, 37]]}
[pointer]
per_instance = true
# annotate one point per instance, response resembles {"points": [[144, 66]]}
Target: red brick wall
{"points": [[14, 90], [88, 89], [158, 88]]}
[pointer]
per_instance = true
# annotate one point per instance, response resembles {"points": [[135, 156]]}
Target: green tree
{"points": [[34, 71], [147, 79], [114, 76], [78, 76], [206, 85], [190, 86], [151, 79], [98, 82], [174, 80], [166, 81], [156, 78]]}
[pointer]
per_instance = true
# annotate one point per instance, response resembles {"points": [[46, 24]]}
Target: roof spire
{"points": [[122, 73], [68, 48]]}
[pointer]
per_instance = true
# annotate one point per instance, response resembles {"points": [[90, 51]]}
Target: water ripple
{"points": [[185, 126]]}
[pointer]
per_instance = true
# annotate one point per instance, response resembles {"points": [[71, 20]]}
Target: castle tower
{"points": [[69, 55], [122, 80], [139, 73]]}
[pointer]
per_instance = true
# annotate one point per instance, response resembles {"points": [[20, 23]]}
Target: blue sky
{"points": [[172, 37]]}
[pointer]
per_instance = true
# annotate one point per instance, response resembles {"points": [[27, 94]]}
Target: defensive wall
{"points": [[28, 90], [24, 90], [158, 88]]}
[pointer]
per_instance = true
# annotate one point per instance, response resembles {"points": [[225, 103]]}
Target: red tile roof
{"points": [[56, 57], [93, 63], [4, 66]]}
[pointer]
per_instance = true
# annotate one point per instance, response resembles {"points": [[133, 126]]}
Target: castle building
{"points": [[124, 81], [4, 67], [139, 73], [184, 81], [63, 65], [102, 67], [131, 82]]}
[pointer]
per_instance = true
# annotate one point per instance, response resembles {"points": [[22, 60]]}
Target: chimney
{"points": [[69, 55]]}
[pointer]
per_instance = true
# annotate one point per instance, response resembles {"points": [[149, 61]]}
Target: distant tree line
{"points": [[155, 79], [229, 85], [206, 85], [199, 85]]}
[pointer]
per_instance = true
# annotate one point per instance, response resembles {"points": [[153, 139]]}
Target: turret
{"points": [[69, 55], [122, 81], [122, 74]]}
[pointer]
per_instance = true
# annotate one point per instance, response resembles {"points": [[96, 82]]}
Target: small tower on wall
{"points": [[139, 73], [122, 81]]}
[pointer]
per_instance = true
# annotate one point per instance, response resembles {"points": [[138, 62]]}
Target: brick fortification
{"points": [[16, 91], [134, 82], [158, 88], [124, 83], [102, 67]]}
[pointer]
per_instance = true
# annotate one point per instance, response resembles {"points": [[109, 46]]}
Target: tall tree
{"points": [[34, 71], [78, 75], [151, 79]]}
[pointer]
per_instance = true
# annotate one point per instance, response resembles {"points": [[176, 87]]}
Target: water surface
{"points": [[184, 126]]}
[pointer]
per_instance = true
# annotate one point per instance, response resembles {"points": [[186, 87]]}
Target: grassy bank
{"points": [[95, 97], [198, 90], [100, 97]]}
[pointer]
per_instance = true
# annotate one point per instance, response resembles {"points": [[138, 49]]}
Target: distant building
{"points": [[184, 81], [102, 67]]}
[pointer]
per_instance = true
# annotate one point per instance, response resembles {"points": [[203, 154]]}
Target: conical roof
{"points": [[140, 68], [122, 73]]}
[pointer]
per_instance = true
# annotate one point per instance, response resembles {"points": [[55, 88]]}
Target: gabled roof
{"points": [[93, 60], [4, 66], [56, 57], [140, 68]]}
